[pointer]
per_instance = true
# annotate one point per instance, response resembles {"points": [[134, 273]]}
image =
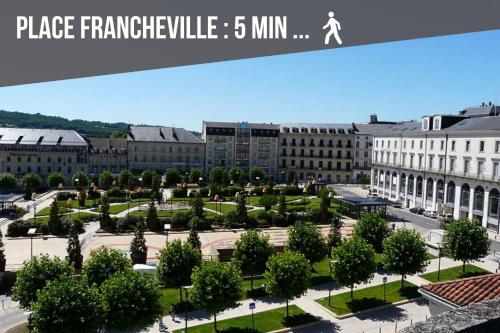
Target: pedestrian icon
{"points": [[334, 27]]}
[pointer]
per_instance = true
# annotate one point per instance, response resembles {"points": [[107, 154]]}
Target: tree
{"points": [[267, 201], [282, 204], [287, 276], [354, 262], [374, 229], [324, 213], [241, 209], [177, 262], [7, 181], [197, 205], [216, 287], [194, 239], [103, 263], [54, 224], [31, 183], [73, 249], [68, 305], [256, 172], [105, 219], [55, 179], [404, 253], [466, 240], [251, 253], [291, 176], [83, 179], [138, 248], [334, 236], [195, 175], [236, 174], [125, 179], [34, 276], [121, 291], [364, 180], [2, 254], [172, 176], [82, 197], [147, 177], [106, 179], [305, 238], [153, 223], [216, 175]]}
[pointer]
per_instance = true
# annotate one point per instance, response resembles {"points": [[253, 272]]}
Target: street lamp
{"points": [[166, 227], [186, 289], [69, 205], [439, 261], [31, 233], [33, 197], [140, 197], [257, 180], [332, 262], [216, 199], [79, 199]]}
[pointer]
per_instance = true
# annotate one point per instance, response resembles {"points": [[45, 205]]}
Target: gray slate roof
{"points": [[373, 128], [161, 134], [476, 124], [479, 111], [44, 137], [222, 124], [317, 126]]}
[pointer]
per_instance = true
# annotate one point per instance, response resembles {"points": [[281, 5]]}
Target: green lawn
{"points": [[454, 273], [265, 321], [430, 256], [74, 203], [118, 208], [161, 213], [224, 208], [370, 297], [74, 215], [46, 211]]}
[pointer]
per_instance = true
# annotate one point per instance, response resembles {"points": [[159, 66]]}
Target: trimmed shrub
{"points": [[179, 193], [280, 220], [231, 219], [18, 228], [204, 192], [313, 215], [199, 224], [292, 190], [264, 217], [116, 192], [64, 196], [181, 218], [230, 191]]}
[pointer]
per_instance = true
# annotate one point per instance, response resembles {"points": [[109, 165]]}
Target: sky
{"points": [[397, 81]]}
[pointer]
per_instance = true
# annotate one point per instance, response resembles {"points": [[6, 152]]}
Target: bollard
{"points": [[411, 322], [396, 328]]}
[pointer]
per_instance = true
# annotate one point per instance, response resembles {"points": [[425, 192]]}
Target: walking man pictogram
{"points": [[334, 26]]}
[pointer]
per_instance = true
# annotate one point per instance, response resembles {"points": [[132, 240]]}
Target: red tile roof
{"points": [[465, 291]]}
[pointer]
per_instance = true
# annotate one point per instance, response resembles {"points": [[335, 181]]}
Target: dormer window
{"points": [[437, 124], [425, 124]]}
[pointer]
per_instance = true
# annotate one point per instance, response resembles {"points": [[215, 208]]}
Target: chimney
{"points": [[373, 118], [489, 103]]}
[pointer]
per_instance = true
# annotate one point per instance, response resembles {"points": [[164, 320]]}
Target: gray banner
{"points": [[362, 22]]}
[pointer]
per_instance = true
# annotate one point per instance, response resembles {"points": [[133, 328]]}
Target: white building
{"points": [[447, 163]]}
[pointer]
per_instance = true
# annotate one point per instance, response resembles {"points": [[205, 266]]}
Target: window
{"points": [[404, 144], [431, 160], [437, 123], [412, 144], [453, 145], [432, 144], [420, 158], [441, 164], [480, 168], [481, 146], [421, 144], [495, 170], [467, 145], [466, 166], [497, 146], [411, 161], [442, 145], [403, 161], [452, 164]]}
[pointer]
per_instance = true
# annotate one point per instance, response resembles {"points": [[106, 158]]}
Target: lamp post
{"points": [[128, 206], [257, 180], [79, 199], [140, 197], [33, 197], [384, 280], [332, 262], [69, 204], [216, 199], [186, 289], [439, 261], [166, 227], [31, 233]]}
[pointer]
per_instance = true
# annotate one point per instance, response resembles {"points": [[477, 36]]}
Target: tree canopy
{"points": [[7, 181], [55, 179], [305, 238], [172, 176], [103, 263], [374, 229]]}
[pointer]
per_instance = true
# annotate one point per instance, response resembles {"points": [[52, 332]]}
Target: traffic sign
{"points": [[251, 306]]}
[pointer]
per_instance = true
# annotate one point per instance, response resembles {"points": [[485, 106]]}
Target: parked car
{"points": [[417, 210], [445, 218], [397, 204], [430, 214]]}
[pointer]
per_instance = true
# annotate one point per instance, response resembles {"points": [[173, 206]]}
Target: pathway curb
{"points": [[291, 329]]}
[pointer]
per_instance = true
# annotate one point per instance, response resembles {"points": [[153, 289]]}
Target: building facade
{"points": [[241, 145], [160, 148], [108, 154], [446, 163], [42, 151]]}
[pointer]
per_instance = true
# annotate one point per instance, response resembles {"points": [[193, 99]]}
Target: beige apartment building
{"points": [[108, 154], [160, 148], [42, 151]]}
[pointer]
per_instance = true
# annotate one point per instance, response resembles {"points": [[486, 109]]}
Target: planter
{"points": [[2, 265], [139, 258]]}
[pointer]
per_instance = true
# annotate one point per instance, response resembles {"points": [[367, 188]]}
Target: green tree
{"points": [[334, 236], [197, 205], [236, 174], [2, 254], [121, 291], [305, 238], [404, 253], [466, 240], [364, 180], [354, 262], [125, 179], [34, 276], [153, 223], [216, 287], [256, 172], [194, 239], [172, 176], [267, 201], [177, 262], [291, 176], [83, 179], [73, 249], [82, 197], [287, 276], [251, 253], [241, 209], [105, 219], [68, 305], [324, 213], [103, 263], [7, 182], [374, 229], [216, 175], [31, 183], [138, 248], [282, 204], [106, 179], [147, 177], [55, 179], [195, 175], [54, 224]]}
